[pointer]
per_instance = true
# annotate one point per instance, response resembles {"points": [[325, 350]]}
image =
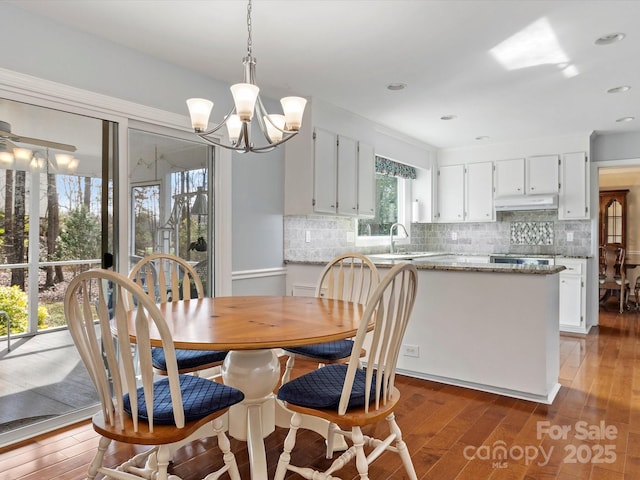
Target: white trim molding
{"points": [[259, 273]]}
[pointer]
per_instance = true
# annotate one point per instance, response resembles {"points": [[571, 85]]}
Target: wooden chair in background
{"points": [[354, 397], [163, 414], [351, 277], [612, 274], [168, 278]]}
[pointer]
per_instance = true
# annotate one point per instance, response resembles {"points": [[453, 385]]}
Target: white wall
{"points": [[615, 146], [48, 50]]}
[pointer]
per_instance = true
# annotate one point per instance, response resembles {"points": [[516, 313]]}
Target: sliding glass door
{"points": [[56, 219], [171, 202]]}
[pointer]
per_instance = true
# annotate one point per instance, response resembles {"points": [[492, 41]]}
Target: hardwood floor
{"points": [[592, 430]]}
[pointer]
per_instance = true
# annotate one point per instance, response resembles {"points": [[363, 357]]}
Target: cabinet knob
{"points": [[533, 188]]}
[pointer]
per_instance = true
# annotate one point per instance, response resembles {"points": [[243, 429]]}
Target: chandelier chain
{"points": [[249, 39]]}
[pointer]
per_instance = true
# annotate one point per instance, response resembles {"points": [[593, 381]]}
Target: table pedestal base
{"points": [[257, 373]]}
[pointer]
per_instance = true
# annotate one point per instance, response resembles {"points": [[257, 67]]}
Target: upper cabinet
{"points": [[451, 193], [465, 193], [531, 176], [342, 172], [509, 177], [366, 180], [573, 201], [325, 170], [479, 188], [542, 174]]}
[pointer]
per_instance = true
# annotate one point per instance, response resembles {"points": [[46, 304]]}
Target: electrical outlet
{"points": [[569, 236], [454, 235], [411, 350], [307, 236], [350, 237]]}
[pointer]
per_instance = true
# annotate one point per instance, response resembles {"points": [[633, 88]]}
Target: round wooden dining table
{"points": [[252, 328]]}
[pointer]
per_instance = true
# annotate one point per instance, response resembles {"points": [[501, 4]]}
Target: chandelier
{"points": [[248, 106]]}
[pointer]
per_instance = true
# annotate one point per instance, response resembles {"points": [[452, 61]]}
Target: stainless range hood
{"points": [[526, 202]]}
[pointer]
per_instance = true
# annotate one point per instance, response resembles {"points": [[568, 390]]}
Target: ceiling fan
{"points": [[5, 134]]}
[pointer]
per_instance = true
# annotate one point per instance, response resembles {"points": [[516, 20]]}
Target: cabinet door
{"points": [[366, 181], [573, 201], [479, 186], [347, 176], [325, 156], [509, 177], [542, 174], [570, 299], [451, 193]]}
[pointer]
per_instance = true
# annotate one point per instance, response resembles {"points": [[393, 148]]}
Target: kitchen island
{"points": [[491, 327]]}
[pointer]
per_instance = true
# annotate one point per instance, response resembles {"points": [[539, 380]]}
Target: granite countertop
{"points": [[431, 264], [442, 263]]}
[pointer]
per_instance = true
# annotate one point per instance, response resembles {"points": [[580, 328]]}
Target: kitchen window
{"points": [[392, 193]]}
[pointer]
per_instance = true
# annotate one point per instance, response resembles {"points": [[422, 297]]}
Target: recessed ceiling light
{"points": [[482, 137], [396, 86], [609, 38], [448, 117], [620, 89], [626, 119]]}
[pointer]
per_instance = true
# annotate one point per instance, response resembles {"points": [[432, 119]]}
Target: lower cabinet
{"points": [[572, 294]]}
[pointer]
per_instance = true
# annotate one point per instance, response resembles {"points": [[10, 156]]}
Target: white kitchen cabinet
{"points": [[344, 177], [509, 177], [451, 193], [573, 201], [572, 293], [479, 192], [465, 193], [542, 174], [534, 175], [366, 181], [347, 179], [325, 168]]}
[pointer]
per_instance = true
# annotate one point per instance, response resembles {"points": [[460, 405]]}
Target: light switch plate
{"points": [[307, 236]]}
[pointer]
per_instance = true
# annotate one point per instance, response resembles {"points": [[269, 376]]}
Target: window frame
{"points": [[404, 217]]}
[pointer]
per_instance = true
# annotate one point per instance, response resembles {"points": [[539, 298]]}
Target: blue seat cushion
{"points": [[329, 350], [322, 388], [200, 397], [186, 358]]}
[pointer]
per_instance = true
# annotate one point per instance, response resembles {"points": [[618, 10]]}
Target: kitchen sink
{"points": [[405, 255]]}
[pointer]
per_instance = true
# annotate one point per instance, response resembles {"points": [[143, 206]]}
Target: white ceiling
{"points": [[347, 51]]}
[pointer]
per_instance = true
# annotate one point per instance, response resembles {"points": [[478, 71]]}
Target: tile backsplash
{"points": [[532, 232]]}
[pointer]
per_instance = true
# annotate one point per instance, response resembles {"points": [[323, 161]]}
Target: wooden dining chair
{"points": [[137, 409], [613, 276], [168, 278], [351, 277], [347, 395]]}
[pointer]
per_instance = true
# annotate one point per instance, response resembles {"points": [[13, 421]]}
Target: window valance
{"points": [[388, 167]]}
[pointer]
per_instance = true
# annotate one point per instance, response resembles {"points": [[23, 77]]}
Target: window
{"points": [[392, 197]]}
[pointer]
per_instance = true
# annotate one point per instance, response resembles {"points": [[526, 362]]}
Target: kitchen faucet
{"points": [[392, 247]]}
